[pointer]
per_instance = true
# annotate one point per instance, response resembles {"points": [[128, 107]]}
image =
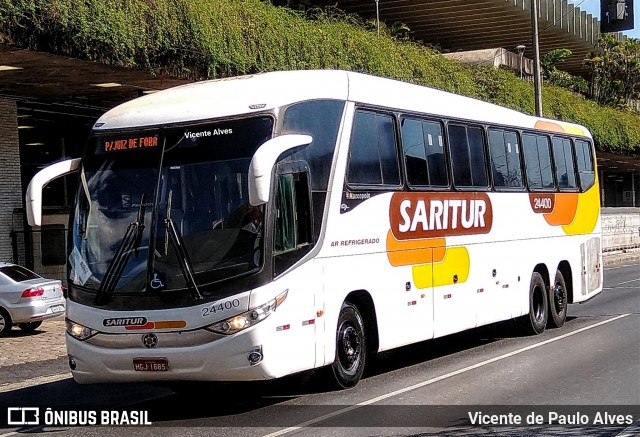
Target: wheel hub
{"points": [[558, 294], [350, 342]]}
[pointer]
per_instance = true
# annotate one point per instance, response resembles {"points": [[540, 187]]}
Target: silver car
{"points": [[26, 298]]}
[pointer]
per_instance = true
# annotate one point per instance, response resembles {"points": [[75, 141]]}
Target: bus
{"points": [[254, 227]]}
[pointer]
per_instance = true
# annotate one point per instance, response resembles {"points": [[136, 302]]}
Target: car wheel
{"points": [[351, 347], [558, 301], [31, 326], [5, 322]]}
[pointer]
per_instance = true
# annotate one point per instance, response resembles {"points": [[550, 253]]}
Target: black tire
{"points": [[558, 300], [5, 323], [536, 321], [351, 347], [31, 326]]}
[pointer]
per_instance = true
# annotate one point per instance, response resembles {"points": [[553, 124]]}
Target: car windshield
{"points": [[18, 273], [162, 211]]}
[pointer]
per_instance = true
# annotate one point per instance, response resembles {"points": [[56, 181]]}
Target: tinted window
{"points": [[586, 172], [565, 171], [423, 148], [505, 159], [321, 120], [467, 156], [372, 156], [18, 273], [285, 232], [537, 160]]}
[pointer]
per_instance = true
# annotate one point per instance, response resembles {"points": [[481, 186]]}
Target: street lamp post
{"points": [[378, 16], [537, 80]]}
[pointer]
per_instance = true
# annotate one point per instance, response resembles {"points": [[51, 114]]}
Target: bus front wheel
{"points": [[558, 301], [351, 347], [536, 321]]}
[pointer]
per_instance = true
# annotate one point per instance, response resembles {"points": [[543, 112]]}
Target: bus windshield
{"points": [[165, 211]]}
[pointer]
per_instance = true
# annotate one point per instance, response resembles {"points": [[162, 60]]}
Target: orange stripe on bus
{"points": [[564, 212], [412, 252], [549, 126], [168, 324]]}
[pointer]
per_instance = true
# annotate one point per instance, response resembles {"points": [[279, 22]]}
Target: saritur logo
{"points": [[428, 215]]}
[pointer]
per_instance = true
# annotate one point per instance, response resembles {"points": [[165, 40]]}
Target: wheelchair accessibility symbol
{"points": [[158, 282]]}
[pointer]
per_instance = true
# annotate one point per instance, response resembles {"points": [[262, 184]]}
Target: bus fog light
{"points": [[72, 363], [255, 356]]}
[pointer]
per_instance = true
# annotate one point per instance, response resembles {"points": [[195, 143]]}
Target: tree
{"points": [[615, 71], [561, 78]]}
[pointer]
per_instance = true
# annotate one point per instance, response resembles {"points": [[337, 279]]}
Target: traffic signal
{"points": [[616, 15]]}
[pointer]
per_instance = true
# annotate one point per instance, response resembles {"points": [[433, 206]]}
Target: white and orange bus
{"points": [[254, 227]]}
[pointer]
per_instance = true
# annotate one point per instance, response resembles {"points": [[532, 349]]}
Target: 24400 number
{"points": [[220, 306]]}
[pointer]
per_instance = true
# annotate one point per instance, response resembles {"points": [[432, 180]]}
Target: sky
{"points": [[593, 7]]}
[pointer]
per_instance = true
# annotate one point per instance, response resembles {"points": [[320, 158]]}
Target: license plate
{"points": [[150, 364], [57, 309]]}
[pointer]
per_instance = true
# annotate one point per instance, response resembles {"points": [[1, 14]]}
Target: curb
{"points": [[614, 258]]}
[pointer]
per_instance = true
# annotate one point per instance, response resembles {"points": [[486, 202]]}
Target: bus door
{"points": [[293, 238]]}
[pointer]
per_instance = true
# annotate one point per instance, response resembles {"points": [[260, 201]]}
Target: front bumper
{"points": [[222, 359]]}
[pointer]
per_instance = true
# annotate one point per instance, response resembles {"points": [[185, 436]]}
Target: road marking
{"points": [[437, 379], [619, 288], [33, 381], [627, 282]]}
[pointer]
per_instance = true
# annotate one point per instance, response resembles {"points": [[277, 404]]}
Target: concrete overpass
{"points": [[461, 25]]}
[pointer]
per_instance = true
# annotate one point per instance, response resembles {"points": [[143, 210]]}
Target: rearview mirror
{"points": [[42, 178], [264, 161]]}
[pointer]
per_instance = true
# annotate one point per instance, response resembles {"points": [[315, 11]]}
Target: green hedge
{"points": [[199, 39]]}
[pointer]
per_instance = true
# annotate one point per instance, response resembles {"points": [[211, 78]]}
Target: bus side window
{"points": [[586, 171], [466, 146], [423, 147], [537, 161], [373, 160], [563, 156], [504, 152]]}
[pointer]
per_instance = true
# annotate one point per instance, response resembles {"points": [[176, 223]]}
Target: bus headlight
{"points": [[243, 321], [78, 331]]}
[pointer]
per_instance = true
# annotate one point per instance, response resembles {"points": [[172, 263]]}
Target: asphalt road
{"points": [[583, 379]]}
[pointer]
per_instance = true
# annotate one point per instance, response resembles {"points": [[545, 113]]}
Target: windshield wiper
{"points": [[130, 243], [182, 255]]}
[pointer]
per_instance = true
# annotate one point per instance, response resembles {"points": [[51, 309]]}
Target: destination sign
{"points": [[130, 143]]}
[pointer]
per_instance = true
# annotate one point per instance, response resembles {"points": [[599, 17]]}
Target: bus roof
{"points": [[257, 93]]}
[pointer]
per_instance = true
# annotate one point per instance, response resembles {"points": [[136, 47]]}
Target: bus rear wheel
{"points": [[536, 321], [558, 301], [351, 347]]}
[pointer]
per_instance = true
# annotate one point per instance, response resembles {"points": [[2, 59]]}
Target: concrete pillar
{"points": [[10, 183], [583, 25]]}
